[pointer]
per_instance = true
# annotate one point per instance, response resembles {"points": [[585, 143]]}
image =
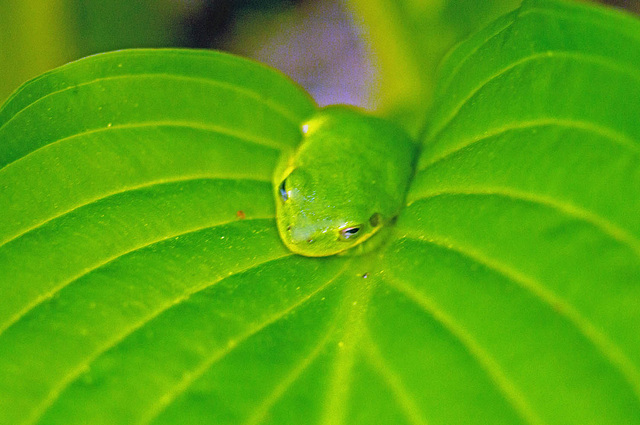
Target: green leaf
{"points": [[122, 180], [408, 39], [144, 281], [522, 235]]}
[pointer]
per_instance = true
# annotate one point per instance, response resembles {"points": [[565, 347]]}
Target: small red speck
{"points": [[240, 215]]}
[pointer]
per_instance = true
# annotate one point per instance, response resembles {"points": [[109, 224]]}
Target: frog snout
{"points": [[301, 236]]}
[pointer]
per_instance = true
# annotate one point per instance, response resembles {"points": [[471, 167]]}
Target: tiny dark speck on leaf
{"points": [[366, 275], [240, 215]]}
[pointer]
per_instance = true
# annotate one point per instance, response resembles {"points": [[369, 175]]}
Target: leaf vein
{"points": [[538, 56], [608, 349], [128, 189], [605, 226], [353, 325], [182, 386], [402, 395], [519, 15], [161, 75], [265, 143], [56, 392], [600, 130], [487, 363], [455, 70], [280, 390], [66, 282], [571, 15]]}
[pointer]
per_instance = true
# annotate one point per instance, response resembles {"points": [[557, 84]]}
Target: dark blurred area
{"points": [[211, 23], [630, 5]]}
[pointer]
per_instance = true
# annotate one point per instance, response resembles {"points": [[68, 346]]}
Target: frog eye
{"points": [[283, 191], [349, 232], [375, 220]]}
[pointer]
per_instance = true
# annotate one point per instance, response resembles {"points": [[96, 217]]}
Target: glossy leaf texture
{"points": [[520, 242], [136, 186], [144, 282]]}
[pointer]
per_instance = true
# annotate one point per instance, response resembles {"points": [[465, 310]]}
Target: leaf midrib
{"points": [[189, 378]]}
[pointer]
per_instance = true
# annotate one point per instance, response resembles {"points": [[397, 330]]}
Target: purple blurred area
{"points": [[314, 42], [317, 45]]}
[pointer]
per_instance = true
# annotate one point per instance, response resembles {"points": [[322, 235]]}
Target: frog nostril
{"points": [[300, 235]]}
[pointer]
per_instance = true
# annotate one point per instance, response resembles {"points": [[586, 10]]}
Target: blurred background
{"points": [[379, 54]]}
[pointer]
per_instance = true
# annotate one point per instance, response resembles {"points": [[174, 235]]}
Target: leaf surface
{"points": [[144, 282]]}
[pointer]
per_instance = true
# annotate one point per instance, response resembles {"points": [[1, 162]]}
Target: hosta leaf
{"points": [[143, 279], [125, 181], [521, 237]]}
